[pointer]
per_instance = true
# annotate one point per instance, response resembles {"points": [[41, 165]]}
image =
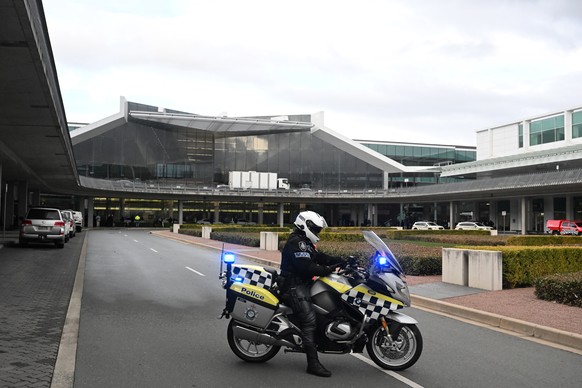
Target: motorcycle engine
{"points": [[338, 330]]}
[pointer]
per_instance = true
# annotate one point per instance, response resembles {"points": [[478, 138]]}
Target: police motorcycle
{"points": [[356, 307]]}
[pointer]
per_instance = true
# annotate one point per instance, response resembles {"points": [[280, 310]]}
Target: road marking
{"points": [[196, 272], [154, 250], [406, 381], [135, 240]]}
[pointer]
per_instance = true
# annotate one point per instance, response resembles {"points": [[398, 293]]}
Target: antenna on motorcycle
{"points": [[221, 255]]}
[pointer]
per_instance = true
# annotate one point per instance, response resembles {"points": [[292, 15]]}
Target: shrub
{"points": [[191, 231], [543, 240], [247, 239], [563, 288]]}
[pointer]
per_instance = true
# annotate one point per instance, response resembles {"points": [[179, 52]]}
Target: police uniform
{"points": [[300, 262]]}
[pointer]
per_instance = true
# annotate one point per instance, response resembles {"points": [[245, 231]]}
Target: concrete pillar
{"points": [[386, 181], [281, 214], [22, 200], [35, 198], [568, 126], [372, 216], [90, 210], [523, 215], [452, 220], [260, 211], [9, 204], [180, 212], [216, 212], [570, 207]]}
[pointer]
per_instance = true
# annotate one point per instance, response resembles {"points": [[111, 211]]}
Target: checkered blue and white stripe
{"points": [[370, 305], [253, 276]]}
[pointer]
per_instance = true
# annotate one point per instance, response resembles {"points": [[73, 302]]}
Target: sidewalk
{"points": [[516, 310]]}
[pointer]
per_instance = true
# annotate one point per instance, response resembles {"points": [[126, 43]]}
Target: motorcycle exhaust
{"points": [[253, 336]]}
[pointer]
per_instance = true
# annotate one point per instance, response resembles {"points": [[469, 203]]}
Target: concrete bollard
{"points": [[176, 228], [486, 270], [206, 230], [269, 241], [456, 266]]}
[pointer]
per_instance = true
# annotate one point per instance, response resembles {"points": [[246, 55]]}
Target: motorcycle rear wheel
{"points": [[401, 354], [250, 351]]}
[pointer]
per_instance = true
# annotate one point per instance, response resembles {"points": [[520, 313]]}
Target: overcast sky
{"points": [[427, 71]]}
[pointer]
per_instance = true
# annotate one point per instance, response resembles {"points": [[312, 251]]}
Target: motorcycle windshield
{"points": [[373, 239]]}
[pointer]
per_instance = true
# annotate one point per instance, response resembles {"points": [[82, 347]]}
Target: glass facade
{"points": [[422, 155], [547, 130], [135, 151], [520, 135], [576, 124]]}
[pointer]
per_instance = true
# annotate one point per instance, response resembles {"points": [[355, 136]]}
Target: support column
{"points": [[260, 211], [216, 212], [281, 214], [9, 204], [35, 198], [90, 205], [570, 207], [452, 210], [22, 200], [372, 214], [180, 212], [523, 215], [568, 127]]}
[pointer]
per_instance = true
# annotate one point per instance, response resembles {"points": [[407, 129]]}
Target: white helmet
{"points": [[311, 223]]}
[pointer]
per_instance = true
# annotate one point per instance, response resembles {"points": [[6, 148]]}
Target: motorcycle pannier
{"points": [[249, 299]]}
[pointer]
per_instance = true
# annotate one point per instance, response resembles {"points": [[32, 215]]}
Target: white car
{"points": [[426, 225], [471, 225]]}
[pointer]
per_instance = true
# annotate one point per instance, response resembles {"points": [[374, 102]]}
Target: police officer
{"points": [[300, 262]]}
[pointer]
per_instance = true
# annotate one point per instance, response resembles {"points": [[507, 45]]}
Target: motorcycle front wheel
{"points": [[402, 353], [249, 351]]}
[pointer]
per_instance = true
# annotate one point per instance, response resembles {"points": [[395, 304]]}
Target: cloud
{"points": [[392, 70]]}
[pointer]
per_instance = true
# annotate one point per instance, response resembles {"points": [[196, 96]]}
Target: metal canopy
{"points": [[34, 141]]}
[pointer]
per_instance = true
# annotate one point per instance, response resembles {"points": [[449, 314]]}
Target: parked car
{"points": [[78, 216], [205, 221], [43, 225], [68, 215], [564, 227], [426, 225], [471, 225]]}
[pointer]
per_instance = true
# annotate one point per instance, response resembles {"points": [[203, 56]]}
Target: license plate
{"points": [[43, 228]]}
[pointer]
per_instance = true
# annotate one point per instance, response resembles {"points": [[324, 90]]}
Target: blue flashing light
{"points": [[228, 257], [238, 279], [382, 261]]}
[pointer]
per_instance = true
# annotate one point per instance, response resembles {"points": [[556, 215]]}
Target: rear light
{"points": [[59, 223], [27, 222]]}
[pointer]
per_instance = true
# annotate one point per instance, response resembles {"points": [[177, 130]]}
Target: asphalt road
{"points": [[149, 319]]}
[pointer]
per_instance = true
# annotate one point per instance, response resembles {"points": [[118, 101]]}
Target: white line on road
{"points": [[406, 381], [196, 272], [154, 250]]}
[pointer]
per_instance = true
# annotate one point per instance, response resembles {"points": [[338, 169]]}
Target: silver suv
{"points": [[43, 225], [471, 225]]}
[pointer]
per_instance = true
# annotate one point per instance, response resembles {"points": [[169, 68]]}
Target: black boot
{"points": [[314, 367]]}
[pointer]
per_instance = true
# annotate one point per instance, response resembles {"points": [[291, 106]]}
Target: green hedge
{"points": [[191, 232], [543, 240], [523, 265], [563, 288]]}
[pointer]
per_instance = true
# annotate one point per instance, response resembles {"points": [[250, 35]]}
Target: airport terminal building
{"points": [[164, 163]]}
